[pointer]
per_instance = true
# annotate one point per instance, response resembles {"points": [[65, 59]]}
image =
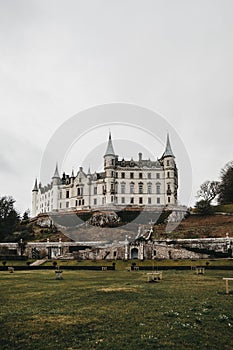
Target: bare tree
{"points": [[209, 190]]}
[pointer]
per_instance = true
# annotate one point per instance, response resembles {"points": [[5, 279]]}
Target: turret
{"points": [[35, 199], [170, 174], [56, 177], [55, 183], [109, 167], [109, 157]]}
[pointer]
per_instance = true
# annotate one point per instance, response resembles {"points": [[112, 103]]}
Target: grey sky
{"points": [[60, 57]]}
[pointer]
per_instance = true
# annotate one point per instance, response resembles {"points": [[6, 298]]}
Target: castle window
{"points": [[168, 162], [149, 200], [61, 195], [67, 204], [168, 199], [95, 190], [79, 202], [123, 200], [116, 187], [158, 188], [140, 188], [122, 175], [149, 175], [116, 200], [95, 201], [112, 161], [131, 188], [168, 174], [122, 187], [140, 200], [158, 200], [112, 199], [149, 188], [116, 175], [82, 201], [157, 175], [112, 174], [79, 191], [131, 175], [140, 175], [132, 200], [76, 203], [67, 194], [60, 205]]}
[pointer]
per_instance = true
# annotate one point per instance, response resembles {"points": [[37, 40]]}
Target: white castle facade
{"points": [[123, 183]]}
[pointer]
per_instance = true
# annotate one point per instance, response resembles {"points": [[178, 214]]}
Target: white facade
{"points": [[122, 183]]}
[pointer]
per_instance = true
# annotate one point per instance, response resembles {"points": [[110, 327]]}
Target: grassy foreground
{"points": [[115, 310]]}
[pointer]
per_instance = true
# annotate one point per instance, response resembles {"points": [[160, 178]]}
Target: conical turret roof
{"points": [[109, 150], [168, 150], [35, 188], [56, 173]]}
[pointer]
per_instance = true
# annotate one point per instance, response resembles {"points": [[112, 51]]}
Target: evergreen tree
{"points": [[9, 218], [226, 186]]}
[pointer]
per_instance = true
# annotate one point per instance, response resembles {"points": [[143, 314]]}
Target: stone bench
{"points": [[200, 270], [154, 276]]}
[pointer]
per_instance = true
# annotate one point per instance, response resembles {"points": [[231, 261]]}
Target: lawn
{"points": [[115, 310]]}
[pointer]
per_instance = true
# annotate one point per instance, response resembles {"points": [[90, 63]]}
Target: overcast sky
{"points": [[58, 58]]}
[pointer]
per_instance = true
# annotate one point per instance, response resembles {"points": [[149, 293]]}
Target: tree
{"points": [[26, 215], [9, 218], [209, 190], [203, 207], [226, 185]]}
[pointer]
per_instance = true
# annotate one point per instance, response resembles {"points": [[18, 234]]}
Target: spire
{"points": [[168, 150], [56, 173], [35, 186], [109, 150], [89, 171]]}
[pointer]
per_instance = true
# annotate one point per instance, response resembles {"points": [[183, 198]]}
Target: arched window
{"points": [[131, 187], [140, 188], [149, 188]]}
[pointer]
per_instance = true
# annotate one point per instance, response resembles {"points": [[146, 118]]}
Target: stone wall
{"points": [[139, 249]]}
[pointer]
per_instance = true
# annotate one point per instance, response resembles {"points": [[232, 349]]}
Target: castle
{"points": [[141, 183]]}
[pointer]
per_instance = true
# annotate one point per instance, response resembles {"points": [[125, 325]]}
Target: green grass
{"points": [[121, 265], [115, 310], [224, 208]]}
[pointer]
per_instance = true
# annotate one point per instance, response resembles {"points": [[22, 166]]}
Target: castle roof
{"points": [[109, 150], [168, 150], [35, 188], [56, 173]]}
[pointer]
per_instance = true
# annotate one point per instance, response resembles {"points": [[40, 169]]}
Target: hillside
{"points": [[192, 227], [196, 226]]}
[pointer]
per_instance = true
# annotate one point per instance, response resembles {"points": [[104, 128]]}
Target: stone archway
{"points": [[134, 253]]}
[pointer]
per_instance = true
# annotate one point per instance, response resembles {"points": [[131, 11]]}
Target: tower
{"points": [[55, 183], [109, 168], [34, 199], [170, 174]]}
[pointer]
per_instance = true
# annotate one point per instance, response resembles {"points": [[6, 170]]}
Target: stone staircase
{"points": [[38, 262]]}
